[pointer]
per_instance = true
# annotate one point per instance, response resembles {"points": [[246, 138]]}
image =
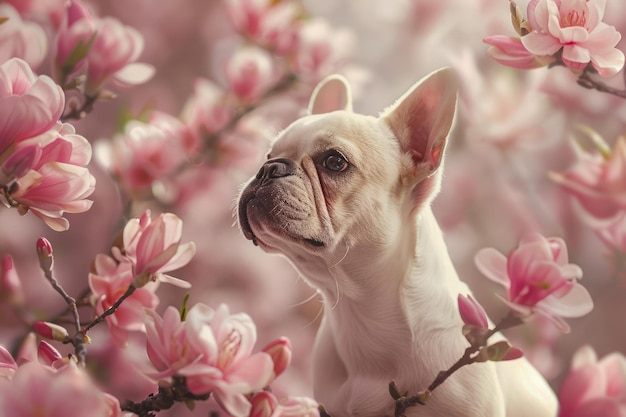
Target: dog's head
{"points": [[336, 181]]}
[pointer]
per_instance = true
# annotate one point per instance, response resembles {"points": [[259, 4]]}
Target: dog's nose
{"points": [[276, 168]]}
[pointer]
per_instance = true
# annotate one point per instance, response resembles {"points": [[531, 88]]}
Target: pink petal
{"points": [[541, 43], [135, 73], [576, 53], [614, 367], [576, 303], [493, 265]]}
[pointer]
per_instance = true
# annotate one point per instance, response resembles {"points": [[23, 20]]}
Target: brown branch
{"points": [[78, 113], [129, 291], [585, 80], [164, 399]]}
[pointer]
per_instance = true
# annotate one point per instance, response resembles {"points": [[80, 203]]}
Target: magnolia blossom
{"points": [[594, 387], [46, 10], [321, 49], [213, 350], [575, 28], [598, 181], [51, 175], [265, 404], [113, 53], [227, 367], [538, 279], [273, 24], [21, 39], [38, 390], [154, 247], [29, 104], [146, 153], [249, 72], [205, 112], [76, 32], [108, 282]]}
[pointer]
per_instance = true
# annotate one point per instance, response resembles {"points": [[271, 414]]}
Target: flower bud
{"points": [[51, 331], [280, 352], [472, 312], [44, 252], [503, 351], [263, 404]]}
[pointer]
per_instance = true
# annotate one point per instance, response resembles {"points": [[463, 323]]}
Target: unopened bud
{"points": [[263, 404], [280, 352], [44, 252], [51, 331], [503, 351]]}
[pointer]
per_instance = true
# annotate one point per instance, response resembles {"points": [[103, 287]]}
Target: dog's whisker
{"points": [[306, 300], [342, 258], [317, 316]]}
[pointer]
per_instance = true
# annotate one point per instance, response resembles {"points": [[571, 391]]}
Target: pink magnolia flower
{"points": [[538, 279], [76, 31], [38, 390], [205, 112], [265, 404], [154, 247], [597, 182], [269, 23], [594, 387], [167, 342], [280, 352], [146, 153], [57, 180], [472, 312], [575, 28], [511, 52], [321, 49], [250, 72], [40, 10], [113, 55], [21, 39], [108, 282], [29, 104], [227, 367]]}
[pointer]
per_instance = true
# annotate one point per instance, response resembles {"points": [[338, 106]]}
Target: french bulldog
{"points": [[347, 199]]}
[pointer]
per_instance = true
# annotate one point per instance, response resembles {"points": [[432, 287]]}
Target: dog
{"points": [[346, 198]]}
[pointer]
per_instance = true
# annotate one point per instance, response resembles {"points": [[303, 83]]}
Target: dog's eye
{"points": [[335, 162]]}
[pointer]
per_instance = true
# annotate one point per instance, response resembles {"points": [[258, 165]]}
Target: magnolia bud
{"points": [[263, 404], [48, 353], [280, 352], [51, 331], [44, 252]]}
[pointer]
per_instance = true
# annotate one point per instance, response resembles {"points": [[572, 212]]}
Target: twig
{"points": [[78, 113], [586, 81], [469, 357], [129, 291], [164, 399]]}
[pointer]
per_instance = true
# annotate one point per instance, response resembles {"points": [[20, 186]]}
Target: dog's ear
{"points": [[332, 93], [422, 118]]}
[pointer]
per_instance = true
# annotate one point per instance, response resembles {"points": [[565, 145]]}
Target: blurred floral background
{"points": [[215, 80]]}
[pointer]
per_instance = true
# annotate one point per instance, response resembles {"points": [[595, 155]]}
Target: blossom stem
{"points": [[129, 291], [164, 399], [469, 357], [586, 81], [78, 113]]}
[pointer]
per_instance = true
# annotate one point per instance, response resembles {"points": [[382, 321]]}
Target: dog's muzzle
{"points": [[262, 194]]}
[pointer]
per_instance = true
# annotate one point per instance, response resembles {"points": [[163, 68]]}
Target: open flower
{"points": [[594, 387], [29, 104], [154, 247], [575, 28], [213, 350], [39, 390], [538, 279], [511, 52], [108, 282], [227, 367], [597, 181]]}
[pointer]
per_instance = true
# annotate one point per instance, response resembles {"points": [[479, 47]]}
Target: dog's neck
{"points": [[392, 303]]}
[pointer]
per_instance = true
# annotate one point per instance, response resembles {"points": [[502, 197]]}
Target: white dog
{"points": [[346, 198]]}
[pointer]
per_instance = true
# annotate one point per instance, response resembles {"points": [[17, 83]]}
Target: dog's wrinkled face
{"points": [[324, 174], [336, 181]]}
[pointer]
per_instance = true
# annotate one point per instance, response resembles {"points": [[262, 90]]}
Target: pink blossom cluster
{"points": [[43, 162], [150, 248], [571, 31], [213, 350], [41, 383]]}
